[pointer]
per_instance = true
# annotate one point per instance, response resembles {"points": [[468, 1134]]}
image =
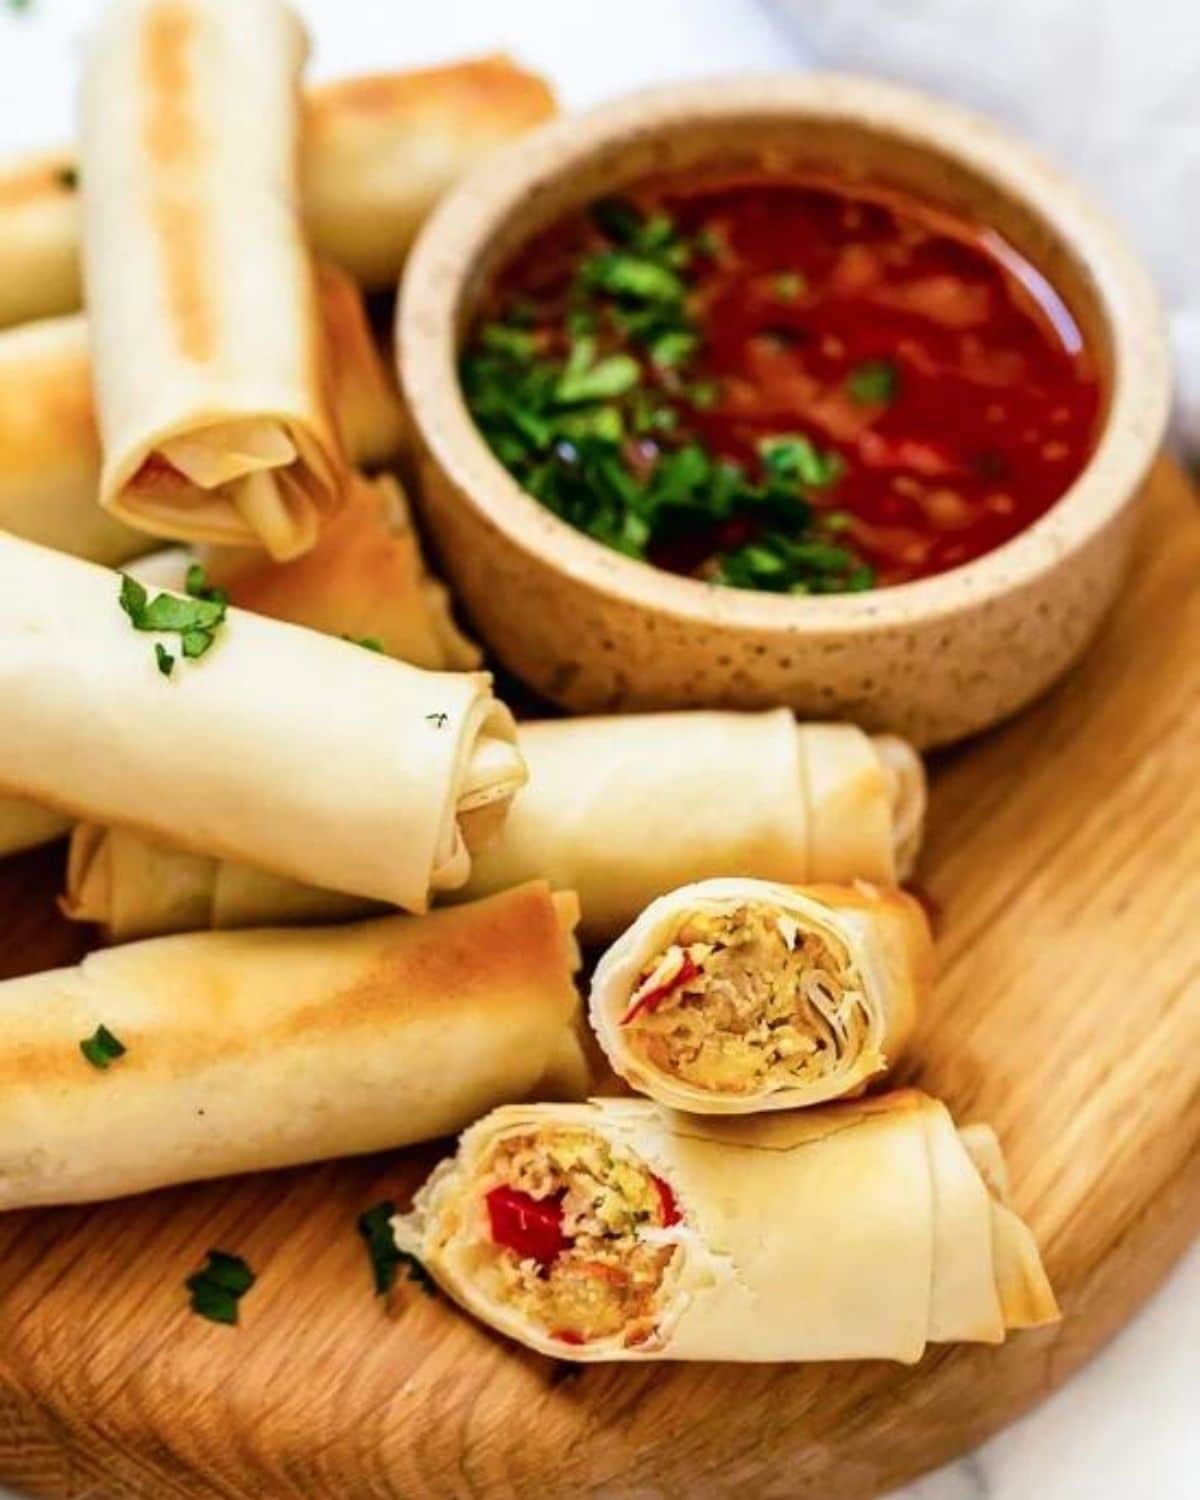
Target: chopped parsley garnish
{"points": [[102, 1048], [195, 619], [375, 1226], [367, 642], [219, 1286], [874, 383], [593, 413]]}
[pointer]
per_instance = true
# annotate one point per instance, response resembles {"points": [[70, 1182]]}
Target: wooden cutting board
{"points": [[1064, 852]]}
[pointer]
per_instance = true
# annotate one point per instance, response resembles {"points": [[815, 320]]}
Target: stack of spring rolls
{"points": [[275, 753]]}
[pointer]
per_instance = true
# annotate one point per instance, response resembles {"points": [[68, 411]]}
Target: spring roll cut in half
{"points": [[378, 152], [617, 1231], [278, 748], [248, 1051], [733, 996], [50, 447], [620, 810], [624, 809], [207, 349]]}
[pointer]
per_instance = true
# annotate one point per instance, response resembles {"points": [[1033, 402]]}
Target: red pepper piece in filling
{"points": [[667, 1204], [568, 1336], [687, 970], [530, 1227]]}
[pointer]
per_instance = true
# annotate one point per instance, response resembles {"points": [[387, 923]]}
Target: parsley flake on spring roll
{"points": [[615, 1230], [248, 1051], [213, 401], [733, 996]]}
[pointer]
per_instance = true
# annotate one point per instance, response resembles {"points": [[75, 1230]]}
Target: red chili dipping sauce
{"points": [[783, 384]]}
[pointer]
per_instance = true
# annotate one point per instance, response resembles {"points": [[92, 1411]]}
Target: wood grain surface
{"points": [[1064, 854]]}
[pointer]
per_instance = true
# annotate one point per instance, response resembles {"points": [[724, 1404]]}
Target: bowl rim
{"points": [[464, 224]]}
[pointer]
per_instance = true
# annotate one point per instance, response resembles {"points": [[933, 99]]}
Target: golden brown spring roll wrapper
{"points": [[881, 949], [25, 825], [50, 448], [620, 810], [624, 809], [280, 748], [366, 578], [256, 1050], [213, 398], [378, 152], [860, 1231]]}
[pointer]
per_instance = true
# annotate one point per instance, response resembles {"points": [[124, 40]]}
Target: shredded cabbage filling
{"points": [[575, 1233], [747, 1000]]}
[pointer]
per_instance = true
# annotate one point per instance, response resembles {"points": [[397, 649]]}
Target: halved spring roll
{"points": [[378, 152], [212, 393], [249, 1051], [50, 447], [734, 996], [617, 1231], [278, 748], [620, 810]]}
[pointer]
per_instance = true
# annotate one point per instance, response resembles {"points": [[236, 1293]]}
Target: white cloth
{"points": [[1108, 88]]}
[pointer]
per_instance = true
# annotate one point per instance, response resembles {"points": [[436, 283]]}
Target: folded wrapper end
{"points": [[908, 794]]}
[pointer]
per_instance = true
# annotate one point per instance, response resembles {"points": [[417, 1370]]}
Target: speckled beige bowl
{"points": [[595, 631]]}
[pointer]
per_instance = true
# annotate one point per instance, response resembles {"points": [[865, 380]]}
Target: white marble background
{"points": [[1126, 1427]]}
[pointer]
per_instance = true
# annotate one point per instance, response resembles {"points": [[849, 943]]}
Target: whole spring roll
{"points": [[378, 152], [207, 349], [253, 1050], [278, 748], [617, 1231], [50, 448], [624, 809], [733, 996], [620, 810]]}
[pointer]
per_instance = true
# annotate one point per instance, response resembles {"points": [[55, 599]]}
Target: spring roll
{"points": [[378, 152], [253, 1050], [50, 448], [207, 350], [734, 996], [617, 1231], [620, 810], [25, 825], [278, 748]]}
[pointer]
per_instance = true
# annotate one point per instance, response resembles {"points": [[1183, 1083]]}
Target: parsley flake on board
{"points": [[194, 618], [375, 1226], [217, 1288], [102, 1048], [367, 642]]}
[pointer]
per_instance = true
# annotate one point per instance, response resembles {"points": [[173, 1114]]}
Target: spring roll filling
{"points": [[747, 999], [575, 1233]]}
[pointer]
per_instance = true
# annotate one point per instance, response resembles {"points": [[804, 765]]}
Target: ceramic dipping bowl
{"points": [[594, 631]]}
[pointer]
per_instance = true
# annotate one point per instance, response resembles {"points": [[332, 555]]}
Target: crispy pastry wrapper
{"points": [[50, 447], [853, 1231], [624, 809], [620, 810], [25, 825], [254, 1050], [378, 152], [882, 932], [208, 355], [282, 749]]}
